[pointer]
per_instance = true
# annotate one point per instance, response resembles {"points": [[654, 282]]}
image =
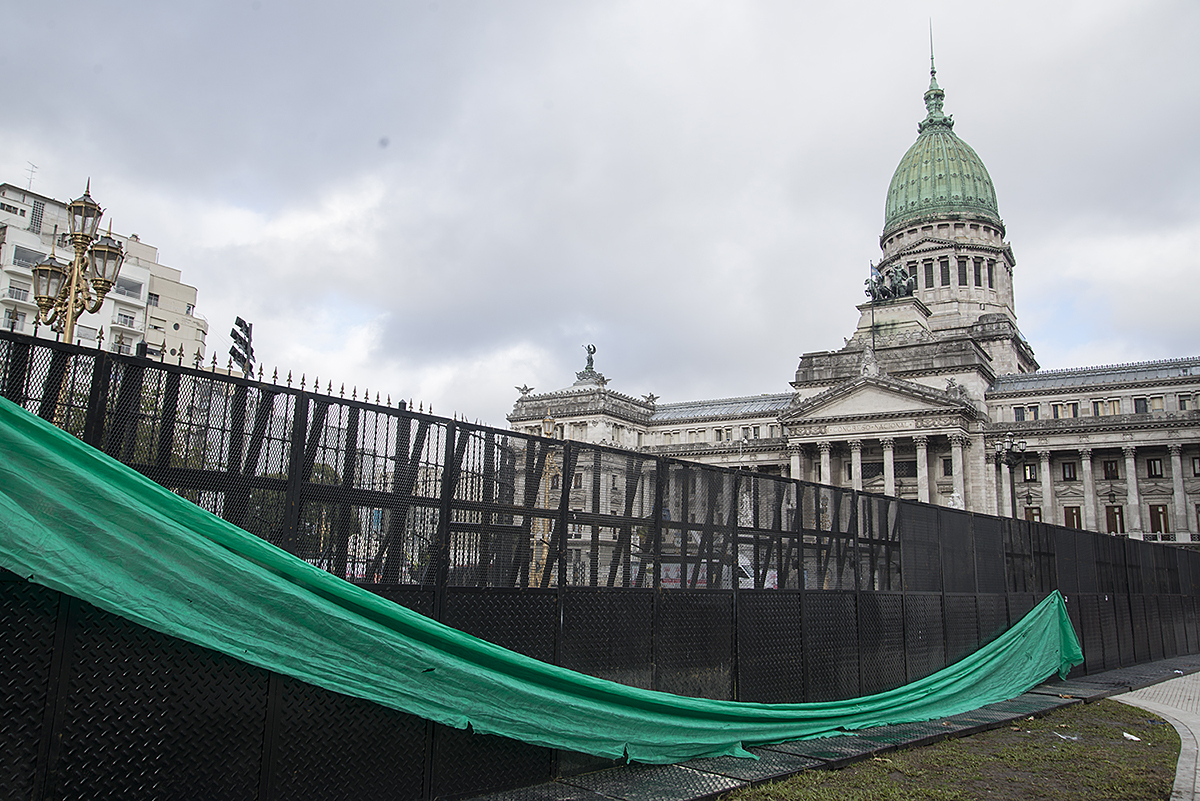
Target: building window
{"points": [[1115, 519], [152, 298], [947, 467], [1071, 517], [912, 270], [754, 433], [979, 272], [555, 482], [1158, 519], [929, 275], [944, 264], [771, 432], [962, 272], [1061, 410], [1069, 471], [849, 471], [1184, 402], [1140, 406], [991, 274], [1031, 412], [1196, 466], [14, 320], [1154, 468], [1103, 408], [1030, 471], [578, 481], [745, 432], [191, 307], [1033, 514], [1018, 414], [1111, 472], [719, 433], [615, 480]]}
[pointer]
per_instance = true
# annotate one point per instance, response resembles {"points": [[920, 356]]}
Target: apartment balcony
{"points": [[125, 322], [20, 297]]}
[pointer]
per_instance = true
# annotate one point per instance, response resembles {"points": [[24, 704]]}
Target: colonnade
{"points": [[821, 454]]}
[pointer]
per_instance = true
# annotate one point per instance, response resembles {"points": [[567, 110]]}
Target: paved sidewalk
{"points": [[1178, 702]]}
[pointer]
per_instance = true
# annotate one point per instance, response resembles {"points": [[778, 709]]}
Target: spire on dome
{"points": [[934, 97]]}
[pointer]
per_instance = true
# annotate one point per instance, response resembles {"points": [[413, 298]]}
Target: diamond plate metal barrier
{"points": [[642, 569]]}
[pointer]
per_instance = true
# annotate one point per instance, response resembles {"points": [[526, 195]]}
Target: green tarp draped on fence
{"points": [[75, 520]]}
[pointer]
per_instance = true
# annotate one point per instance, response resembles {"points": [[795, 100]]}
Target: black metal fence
{"points": [[649, 571]]}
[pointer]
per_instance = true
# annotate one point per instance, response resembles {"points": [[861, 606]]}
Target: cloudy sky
{"points": [[442, 200]]}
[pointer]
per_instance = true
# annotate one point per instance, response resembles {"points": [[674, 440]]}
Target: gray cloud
{"points": [[696, 188]]}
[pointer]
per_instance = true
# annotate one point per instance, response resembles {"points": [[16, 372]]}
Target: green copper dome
{"points": [[940, 175]]}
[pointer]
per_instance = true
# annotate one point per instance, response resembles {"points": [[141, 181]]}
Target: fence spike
{"points": [[329, 389], [214, 363], [275, 376], [389, 399], [289, 378], [353, 392], [422, 409], [377, 399], [317, 384], [302, 382], [260, 372]]}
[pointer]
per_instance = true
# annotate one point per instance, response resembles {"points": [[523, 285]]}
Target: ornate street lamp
{"points": [[65, 291], [1012, 453]]}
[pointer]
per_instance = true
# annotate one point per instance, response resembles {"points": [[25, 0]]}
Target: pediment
{"points": [[874, 397]]}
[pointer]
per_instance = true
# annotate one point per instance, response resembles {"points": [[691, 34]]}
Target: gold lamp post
{"points": [[65, 291]]}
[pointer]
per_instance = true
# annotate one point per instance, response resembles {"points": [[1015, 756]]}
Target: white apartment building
{"points": [[149, 303]]}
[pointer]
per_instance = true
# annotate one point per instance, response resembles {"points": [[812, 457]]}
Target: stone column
{"points": [[1089, 490], [922, 443], [1006, 494], [826, 462], [1183, 520], [1133, 523], [1047, 488], [957, 443], [794, 461], [889, 466], [856, 463]]}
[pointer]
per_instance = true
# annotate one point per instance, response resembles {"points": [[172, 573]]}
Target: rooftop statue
{"points": [[894, 282]]}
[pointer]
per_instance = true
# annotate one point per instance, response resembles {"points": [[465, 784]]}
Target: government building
{"points": [[936, 397]]}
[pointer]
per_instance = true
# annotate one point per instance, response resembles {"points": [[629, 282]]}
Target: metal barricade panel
{"points": [[524, 621], [958, 551], [609, 634], [921, 556], [330, 746], [1123, 607], [830, 646], [28, 618], [962, 627], [770, 648], [989, 554], [881, 641], [993, 617], [150, 716], [1141, 628], [924, 635], [695, 644], [465, 763], [1109, 634], [1090, 636]]}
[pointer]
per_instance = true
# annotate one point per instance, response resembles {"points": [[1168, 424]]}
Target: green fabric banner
{"points": [[74, 520]]}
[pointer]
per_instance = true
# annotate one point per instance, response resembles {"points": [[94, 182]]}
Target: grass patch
{"points": [[1076, 753]]}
